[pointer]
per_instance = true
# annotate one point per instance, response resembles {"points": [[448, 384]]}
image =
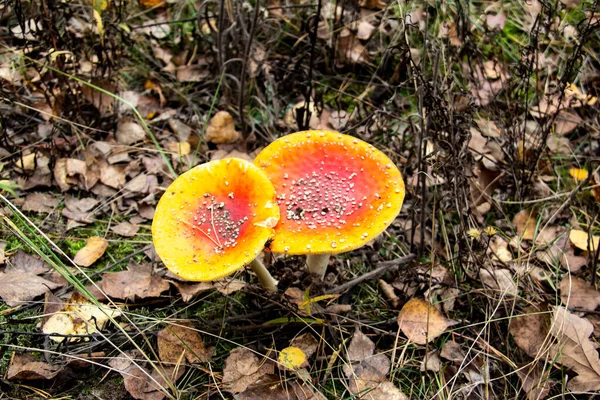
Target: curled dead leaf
{"points": [[91, 252]]}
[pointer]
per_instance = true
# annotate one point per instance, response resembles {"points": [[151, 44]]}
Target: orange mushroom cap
{"points": [[335, 192], [214, 219]]}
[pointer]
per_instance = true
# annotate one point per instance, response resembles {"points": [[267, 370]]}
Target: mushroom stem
{"points": [[317, 264], [264, 276]]}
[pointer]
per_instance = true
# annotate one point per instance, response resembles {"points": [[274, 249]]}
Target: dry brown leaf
{"points": [[28, 367], [18, 287], [421, 322], [576, 293], [488, 128], [126, 229], [367, 372], [92, 251], [525, 224], [529, 330], [575, 350], [180, 148], [271, 387], [103, 102], [112, 175], [138, 282], [221, 129], [566, 122], [144, 384], [129, 132], [452, 351], [499, 280], [189, 291], [40, 203], [24, 263], [305, 342], [535, 381], [431, 362], [181, 341], [191, 73], [349, 49], [243, 368]]}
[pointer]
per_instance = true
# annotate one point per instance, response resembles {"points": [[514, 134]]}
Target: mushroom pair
{"points": [[334, 192]]}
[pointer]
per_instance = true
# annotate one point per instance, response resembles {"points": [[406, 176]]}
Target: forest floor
{"points": [[488, 283]]}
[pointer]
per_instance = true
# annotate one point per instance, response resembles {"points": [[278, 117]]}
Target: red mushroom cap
{"points": [[335, 192], [214, 219]]}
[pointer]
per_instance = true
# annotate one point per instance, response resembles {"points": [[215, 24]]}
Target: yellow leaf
{"points": [[99, 5], [93, 250], [291, 357], [421, 322], [578, 174], [99, 24], [581, 240], [525, 223], [151, 3]]}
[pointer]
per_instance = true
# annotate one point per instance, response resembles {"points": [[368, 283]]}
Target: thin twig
{"points": [[382, 268]]}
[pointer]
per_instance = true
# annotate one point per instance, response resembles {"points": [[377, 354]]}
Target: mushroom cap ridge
{"points": [[335, 192], [214, 219]]}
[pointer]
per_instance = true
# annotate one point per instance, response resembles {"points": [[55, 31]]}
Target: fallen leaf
{"points": [[78, 317], [92, 251], [535, 381], [529, 330], [452, 351], [189, 291], [576, 293], [566, 122], [158, 28], [361, 347], [129, 132], [18, 287], [575, 350], [151, 3], [221, 129], [421, 322], [125, 229], [102, 101], [28, 367], [271, 387], [242, 369], [144, 384], [583, 241], [525, 224], [40, 203], [500, 280], [138, 282], [367, 371], [488, 128], [578, 174], [112, 175], [191, 73], [180, 148], [431, 362], [24, 263], [307, 343], [181, 341], [292, 358]]}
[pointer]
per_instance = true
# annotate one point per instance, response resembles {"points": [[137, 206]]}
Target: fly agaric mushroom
{"points": [[335, 192], [214, 219]]}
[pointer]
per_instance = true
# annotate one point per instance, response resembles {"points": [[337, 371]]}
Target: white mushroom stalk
{"points": [[264, 276], [317, 264]]}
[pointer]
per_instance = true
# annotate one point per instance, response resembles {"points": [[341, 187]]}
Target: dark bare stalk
{"points": [[242, 95], [313, 43], [220, 34]]}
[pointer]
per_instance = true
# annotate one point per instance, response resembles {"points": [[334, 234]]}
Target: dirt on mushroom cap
{"points": [[335, 192], [214, 219]]}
